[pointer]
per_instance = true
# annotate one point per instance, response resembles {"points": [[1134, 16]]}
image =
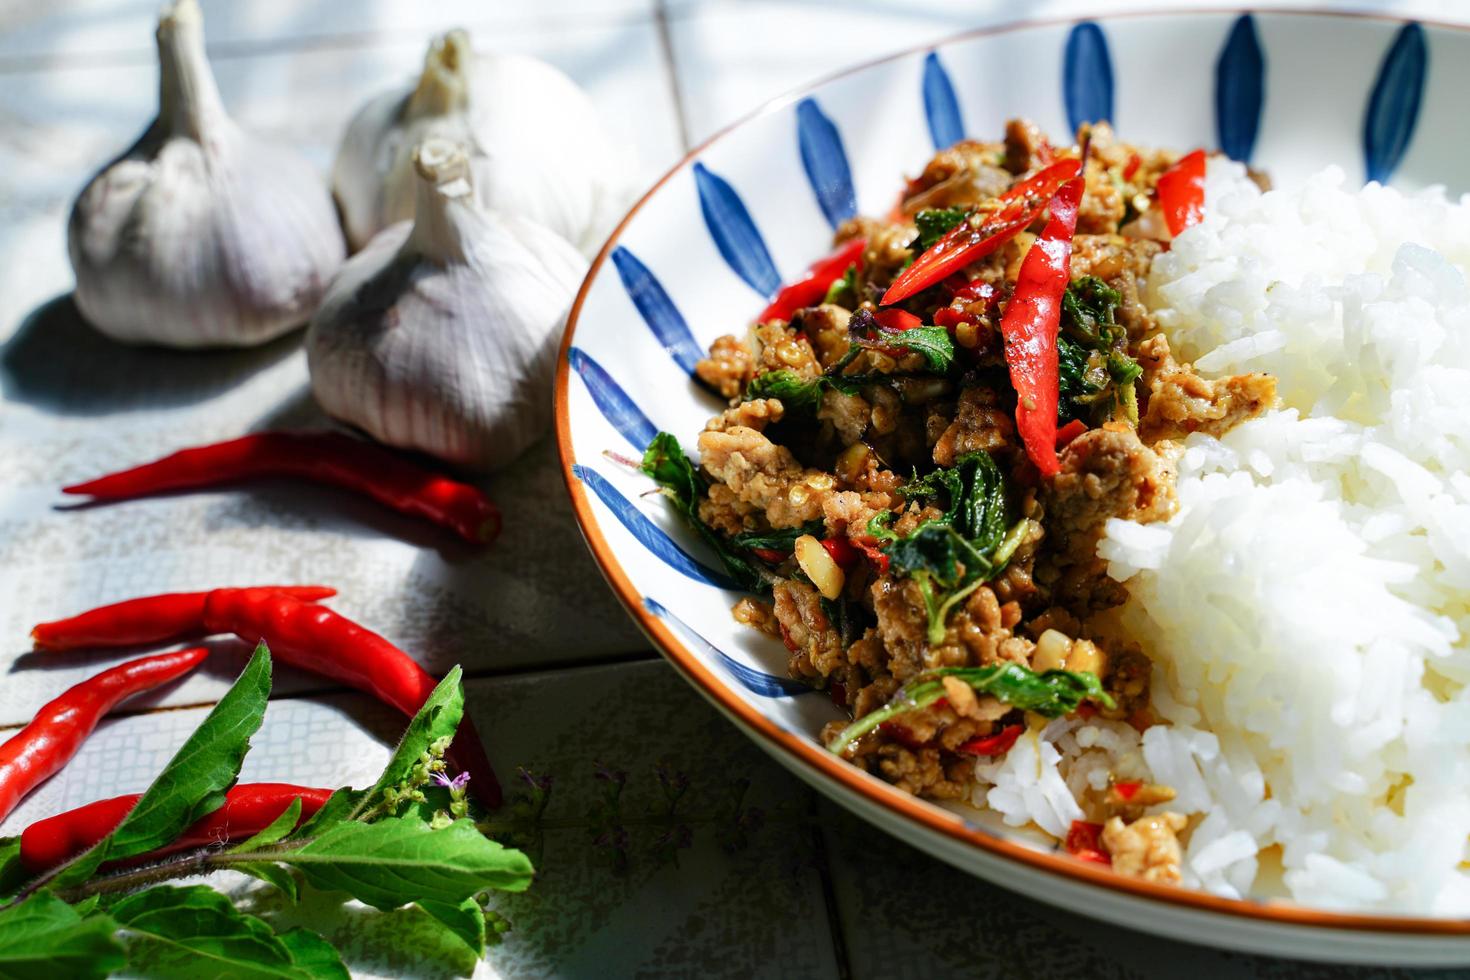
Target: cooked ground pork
{"points": [[949, 552]]}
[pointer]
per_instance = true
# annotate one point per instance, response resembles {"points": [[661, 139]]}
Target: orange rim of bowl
{"points": [[815, 757]]}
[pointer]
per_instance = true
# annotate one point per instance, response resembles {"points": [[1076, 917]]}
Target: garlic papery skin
{"points": [[200, 235], [536, 146], [441, 334]]}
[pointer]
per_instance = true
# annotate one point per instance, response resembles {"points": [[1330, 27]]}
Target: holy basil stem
{"points": [[1050, 694]]}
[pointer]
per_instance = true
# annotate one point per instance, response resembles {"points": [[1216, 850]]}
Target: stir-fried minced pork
{"points": [[921, 556]]}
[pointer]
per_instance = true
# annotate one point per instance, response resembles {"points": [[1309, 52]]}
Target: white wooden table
{"points": [[560, 679]]}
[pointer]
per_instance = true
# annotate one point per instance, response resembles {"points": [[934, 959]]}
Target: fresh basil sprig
{"points": [[1051, 694], [402, 842]]}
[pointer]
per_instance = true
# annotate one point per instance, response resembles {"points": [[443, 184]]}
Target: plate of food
{"points": [[1052, 446]]}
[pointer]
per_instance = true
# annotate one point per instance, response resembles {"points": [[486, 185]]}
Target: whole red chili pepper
{"points": [[321, 457], [1182, 192], [974, 238], [1030, 323], [812, 287], [319, 640], [39, 750], [151, 619], [249, 808], [998, 744], [1084, 840]]}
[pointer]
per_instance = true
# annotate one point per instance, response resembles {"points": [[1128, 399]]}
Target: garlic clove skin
{"points": [[441, 335], [200, 235], [536, 146]]}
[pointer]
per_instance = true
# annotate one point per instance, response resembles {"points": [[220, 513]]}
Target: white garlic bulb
{"points": [[441, 334], [536, 146], [200, 235]]}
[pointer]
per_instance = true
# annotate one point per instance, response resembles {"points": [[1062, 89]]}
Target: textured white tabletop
{"points": [[561, 680]]}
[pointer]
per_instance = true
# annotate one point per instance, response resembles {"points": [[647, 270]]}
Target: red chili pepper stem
{"points": [[148, 620], [249, 808], [39, 751], [326, 643], [328, 458]]}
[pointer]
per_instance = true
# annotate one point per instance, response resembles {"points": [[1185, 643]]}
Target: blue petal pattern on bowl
{"points": [[1240, 90], [941, 105], [1393, 108], [825, 162], [734, 232], [612, 401], [1087, 76], [754, 681], [657, 310], [649, 534]]}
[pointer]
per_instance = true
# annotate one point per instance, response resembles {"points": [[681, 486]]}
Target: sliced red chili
{"points": [[1131, 167], [842, 552], [1127, 790], [1182, 192], [998, 744], [898, 319], [769, 555], [964, 299], [869, 548], [976, 237], [1030, 324], [1084, 840], [810, 288], [1070, 431]]}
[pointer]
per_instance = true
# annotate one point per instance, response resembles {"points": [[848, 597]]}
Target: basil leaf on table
{"points": [[43, 938], [465, 920], [194, 931]]}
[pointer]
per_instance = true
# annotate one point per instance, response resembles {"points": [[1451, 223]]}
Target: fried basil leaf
{"points": [[797, 394], [934, 223]]}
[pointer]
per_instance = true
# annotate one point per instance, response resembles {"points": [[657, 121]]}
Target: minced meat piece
{"points": [[754, 475], [979, 423], [727, 368], [1147, 848], [1179, 401]]}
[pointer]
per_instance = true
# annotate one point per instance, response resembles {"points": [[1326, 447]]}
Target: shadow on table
{"points": [[58, 362]]}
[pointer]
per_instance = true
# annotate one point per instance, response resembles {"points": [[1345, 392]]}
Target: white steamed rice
{"points": [[1308, 607]]}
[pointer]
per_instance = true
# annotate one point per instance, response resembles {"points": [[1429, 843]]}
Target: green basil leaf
{"points": [[796, 393], [272, 874], [274, 831], [12, 873], [341, 805], [864, 331], [934, 223], [844, 292], [43, 938], [465, 920], [1089, 309], [194, 781], [194, 931], [438, 718], [665, 463], [1050, 694], [781, 540], [314, 955], [398, 860]]}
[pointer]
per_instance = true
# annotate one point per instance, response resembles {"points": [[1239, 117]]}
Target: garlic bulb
{"points": [[200, 235], [535, 143], [441, 334]]}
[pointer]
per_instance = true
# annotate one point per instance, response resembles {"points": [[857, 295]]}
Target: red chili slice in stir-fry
{"points": [[1070, 431], [964, 296], [998, 744], [769, 555], [1030, 324], [1127, 790], [1182, 192], [970, 240], [842, 552], [898, 319], [869, 548], [1084, 840], [809, 289], [1131, 167]]}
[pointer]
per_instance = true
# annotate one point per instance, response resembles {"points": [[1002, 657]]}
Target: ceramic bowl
{"points": [[700, 254]]}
